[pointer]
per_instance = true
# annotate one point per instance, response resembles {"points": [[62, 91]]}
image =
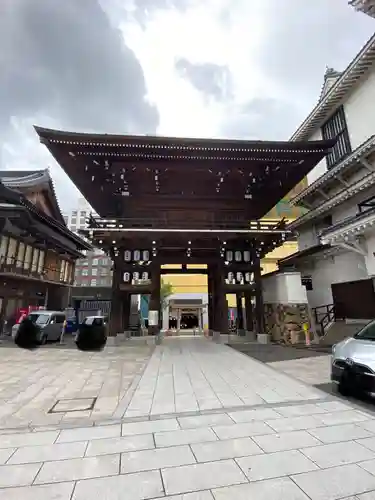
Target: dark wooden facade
{"points": [[37, 251], [184, 201]]}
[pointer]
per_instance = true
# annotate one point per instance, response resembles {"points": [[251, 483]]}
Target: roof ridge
{"points": [[301, 131]]}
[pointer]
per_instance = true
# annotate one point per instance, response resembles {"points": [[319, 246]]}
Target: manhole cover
{"points": [[67, 405]]}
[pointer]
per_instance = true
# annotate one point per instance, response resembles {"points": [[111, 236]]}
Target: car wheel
{"points": [[43, 340]]}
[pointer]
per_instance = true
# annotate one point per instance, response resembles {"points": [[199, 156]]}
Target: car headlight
{"points": [[334, 348]]}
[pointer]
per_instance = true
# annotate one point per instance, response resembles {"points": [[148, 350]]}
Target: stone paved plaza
{"points": [[200, 422]]}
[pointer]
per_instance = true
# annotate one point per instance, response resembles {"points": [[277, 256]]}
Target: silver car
{"points": [[49, 323], [353, 362]]}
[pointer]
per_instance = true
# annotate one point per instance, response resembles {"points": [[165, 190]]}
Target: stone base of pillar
{"points": [[241, 333], [251, 336], [263, 338], [112, 341], [216, 337]]}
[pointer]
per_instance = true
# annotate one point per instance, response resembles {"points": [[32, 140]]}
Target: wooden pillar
{"points": [[249, 312], [154, 304], [240, 324], [116, 318], [220, 302], [210, 306], [126, 300], [259, 306]]}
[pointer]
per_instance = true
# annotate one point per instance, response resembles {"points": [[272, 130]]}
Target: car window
{"points": [[97, 322], [367, 333], [39, 319], [60, 318], [88, 320]]}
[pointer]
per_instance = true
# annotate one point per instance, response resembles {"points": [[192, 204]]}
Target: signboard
{"points": [[153, 318]]}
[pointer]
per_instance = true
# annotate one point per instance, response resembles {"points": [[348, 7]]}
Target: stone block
{"points": [[263, 338]]}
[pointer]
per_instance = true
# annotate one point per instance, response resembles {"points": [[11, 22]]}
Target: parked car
{"points": [[50, 324], [353, 362]]}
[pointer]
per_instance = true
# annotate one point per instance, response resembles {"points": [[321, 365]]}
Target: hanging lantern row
{"points": [[239, 278], [137, 255], [136, 276], [238, 255]]}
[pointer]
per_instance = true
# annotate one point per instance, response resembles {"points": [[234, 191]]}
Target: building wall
{"points": [[370, 257], [360, 115], [321, 167], [347, 266]]}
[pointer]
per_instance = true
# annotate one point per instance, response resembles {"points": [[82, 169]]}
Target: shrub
{"points": [[27, 335]]}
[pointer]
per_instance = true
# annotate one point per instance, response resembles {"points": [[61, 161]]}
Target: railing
{"points": [[324, 315], [13, 266]]}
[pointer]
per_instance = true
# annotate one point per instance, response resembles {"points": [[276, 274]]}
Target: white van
{"points": [[50, 324]]}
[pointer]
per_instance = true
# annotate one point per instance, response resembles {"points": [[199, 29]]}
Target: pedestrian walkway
{"points": [[194, 375], [270, 438]]}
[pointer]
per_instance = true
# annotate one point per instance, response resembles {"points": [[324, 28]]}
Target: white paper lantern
{"points": [[145, 276], [230, 277], [146, 255], [126, 277], [136, 276], [246, 256], [247, 277], [137, 255], [127, 255], [238, 256], [239, 277], [229, 255]]}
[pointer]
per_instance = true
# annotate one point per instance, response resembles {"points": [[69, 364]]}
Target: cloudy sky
{"points": [[231, 68]]}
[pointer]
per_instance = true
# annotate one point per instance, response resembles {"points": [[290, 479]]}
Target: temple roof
{"points": [[40, 181], [118, 175]]}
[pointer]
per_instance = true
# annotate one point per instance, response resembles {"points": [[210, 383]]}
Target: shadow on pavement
{"points": [[269, 353], [363, 402]]}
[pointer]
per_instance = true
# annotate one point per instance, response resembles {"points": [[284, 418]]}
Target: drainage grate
{"points": [[70, 405]]}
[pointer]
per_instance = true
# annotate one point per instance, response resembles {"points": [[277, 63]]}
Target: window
{"points": [[95, 262], [93, 282], [73, 228], [3, 247], [94, 271], [336, 128], [28, 254], [74, 213], [59, 319], [103, 271], [85, 272], [82, 213], [12, 248], [367, 333], [366, 205], [21, 254], [82, 222]]}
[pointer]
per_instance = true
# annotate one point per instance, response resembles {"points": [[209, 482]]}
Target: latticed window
{"points": [[336, 128]]}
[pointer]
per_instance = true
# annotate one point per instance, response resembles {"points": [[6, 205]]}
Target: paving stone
{"points": [[271, 465], [332, 406], [344, 432], [298, 410], [256, 414], [187, 436], [28, 439], [273, 489], [336, 482], [88, 433], [5, 454], [344, 417], [205, 421], [221, 450], [172, 456], [18, 475], [242, 430], [198, 495], [33, 454], [285, 441], [148, 427], [299, 423], [369, 425], [61, 491], [331, 455], [120, 444], [79, 468], [140, 486], [201, 476]]}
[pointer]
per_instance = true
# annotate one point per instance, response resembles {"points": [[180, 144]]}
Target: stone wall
{"points": [[284, 322]]}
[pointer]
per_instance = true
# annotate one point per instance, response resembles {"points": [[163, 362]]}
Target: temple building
{"points": [[37, 250], [336, 235], [365, 6], [194, 205]]}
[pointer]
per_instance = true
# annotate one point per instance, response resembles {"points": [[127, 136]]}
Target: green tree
{"points": [[166, 290]]}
